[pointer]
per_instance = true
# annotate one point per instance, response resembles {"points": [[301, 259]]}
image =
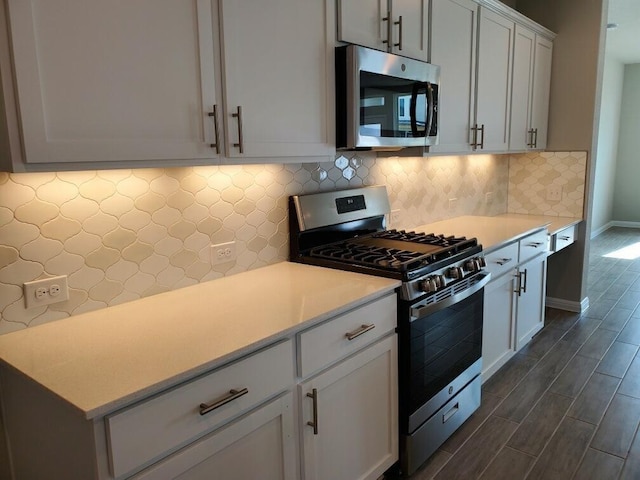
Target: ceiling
{"points": [[624, 41]]}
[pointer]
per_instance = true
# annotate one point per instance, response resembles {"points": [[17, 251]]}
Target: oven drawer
{"points": [[329, 342], [148, 431], [533, 245], [502, 260], [423, 442], [563, 238]]}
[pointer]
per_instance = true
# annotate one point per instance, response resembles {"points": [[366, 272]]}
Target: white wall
{"points": [[626, 201], [608, 132]]}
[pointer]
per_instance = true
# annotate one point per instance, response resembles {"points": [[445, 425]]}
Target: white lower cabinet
{"points": [[530, 303], [350, 416], [514, 300], [497, 329], [259, 445]]}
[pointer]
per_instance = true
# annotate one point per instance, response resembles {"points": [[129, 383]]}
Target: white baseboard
{"points": [[561, 304], [616, 223], [613, 223], [602, 229]]}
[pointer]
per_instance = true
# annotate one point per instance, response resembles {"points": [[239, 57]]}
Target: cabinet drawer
{"points": [[564, 238], [329, 342], [533, 245], [148, 431], [502, 260]]}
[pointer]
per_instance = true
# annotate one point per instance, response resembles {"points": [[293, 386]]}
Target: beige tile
{"points": [[79, 208], [83, 279], [182, 229], [116, 205], [40, 250], [97, 189], [57, 192], [119, 239], [103, 257], [20, 271], [137, 252], [100, 224], [105, 291]]}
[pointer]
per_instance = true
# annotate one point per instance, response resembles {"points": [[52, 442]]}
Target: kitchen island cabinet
{"points": [[163, 83], [184, 382]]}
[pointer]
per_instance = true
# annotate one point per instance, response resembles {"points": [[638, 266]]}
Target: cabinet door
{"points": [[278, 59], [361, 22], [453, 47], [498, 321], [411, 34], [541, 90], [522, 136], [357, 416], [114, 81], [530, 307], [493, 92], [258, 445]]}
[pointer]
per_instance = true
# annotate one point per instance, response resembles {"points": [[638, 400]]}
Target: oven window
{"points": [[386, 108], [442, 346]]}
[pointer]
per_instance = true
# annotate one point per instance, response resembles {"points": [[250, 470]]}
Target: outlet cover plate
{"points": [[223, 253], [46, 291]]}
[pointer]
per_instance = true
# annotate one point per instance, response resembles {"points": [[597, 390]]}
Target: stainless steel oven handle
{"points": [[416, 313]]}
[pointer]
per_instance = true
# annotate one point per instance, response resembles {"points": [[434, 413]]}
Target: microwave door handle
{"points": [[430, 109], [412, 109]]}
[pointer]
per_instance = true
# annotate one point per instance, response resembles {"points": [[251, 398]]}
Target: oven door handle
{"points": [[416, 313]]}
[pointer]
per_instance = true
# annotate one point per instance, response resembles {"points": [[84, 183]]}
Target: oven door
{"points": [[440, 342]]}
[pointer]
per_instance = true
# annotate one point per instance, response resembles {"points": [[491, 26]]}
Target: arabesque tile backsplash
{"points": [[120, 235]]}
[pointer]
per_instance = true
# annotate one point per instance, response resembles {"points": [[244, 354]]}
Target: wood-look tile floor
{"points": [[567, 406]]}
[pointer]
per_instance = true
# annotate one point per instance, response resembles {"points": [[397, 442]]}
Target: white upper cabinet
{"points": [[278, 74], [522, 134], [453, 48], [531, 84], [121, 84], [493, 89], [112, 81], [396, 26], [361, 22], [541, 91]]}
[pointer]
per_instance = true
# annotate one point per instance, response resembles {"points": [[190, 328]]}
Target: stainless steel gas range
{"points": [[440, 305]]}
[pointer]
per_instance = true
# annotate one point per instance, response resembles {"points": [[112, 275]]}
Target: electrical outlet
{"points": [[488, 197], [395, 218], [554, 193], [223, 253], [453, 202], [46, 291]]}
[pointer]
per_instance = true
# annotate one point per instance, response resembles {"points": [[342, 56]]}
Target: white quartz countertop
{"points": [[554, 224], [105, 359], [494, 232]]}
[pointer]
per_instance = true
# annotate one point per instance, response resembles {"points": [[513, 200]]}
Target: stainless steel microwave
{"points": [[384, 101]]}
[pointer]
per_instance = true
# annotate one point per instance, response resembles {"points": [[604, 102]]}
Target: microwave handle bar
{"points": [[430, 108]]}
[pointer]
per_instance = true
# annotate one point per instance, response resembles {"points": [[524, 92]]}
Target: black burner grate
{"points": [[374, 251]]}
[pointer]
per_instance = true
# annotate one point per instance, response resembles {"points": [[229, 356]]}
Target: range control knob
{"points": [[429, 285], [481, 261], [472, 265], [455, 272], [441, 282]]}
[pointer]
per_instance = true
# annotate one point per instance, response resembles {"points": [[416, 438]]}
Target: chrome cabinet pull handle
{"points": [[535, 142], [536, 244], [214, 114], [518, 289], [481, 136], [238, 115], [356, 333], [314, 423], [530, 134], [230, 397], [389, 33], [399, 23], [503, 261], [565, 238], [524, 287], [474, 142]]}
